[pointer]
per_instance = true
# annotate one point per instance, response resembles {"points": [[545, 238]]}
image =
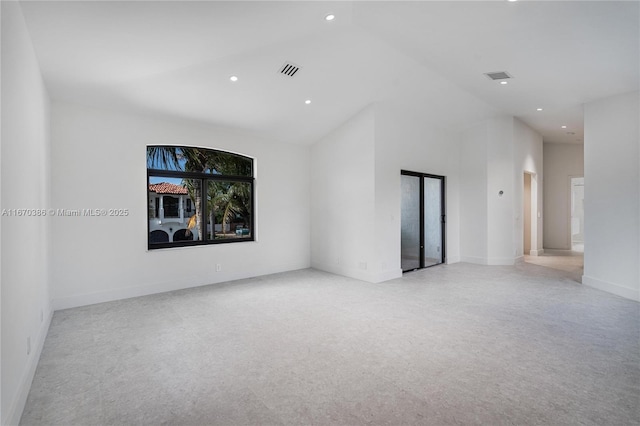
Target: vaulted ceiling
{"points": [[175, 59]]}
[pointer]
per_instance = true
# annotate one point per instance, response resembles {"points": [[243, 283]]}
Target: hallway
{"points": [[563, 260]]}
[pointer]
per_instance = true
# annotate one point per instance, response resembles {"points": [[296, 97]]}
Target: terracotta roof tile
{"points": [[167, 188]]}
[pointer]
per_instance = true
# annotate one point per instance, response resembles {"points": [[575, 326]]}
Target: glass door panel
{"points": [[432, 221], [410, 223]]}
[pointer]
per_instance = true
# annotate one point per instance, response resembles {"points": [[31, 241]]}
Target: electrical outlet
{"points": [[28, 345], [218, 267]]}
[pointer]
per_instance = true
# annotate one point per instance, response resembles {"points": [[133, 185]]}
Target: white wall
{"points": [[612, 193], [494, 154], [99, 161], [561, 162], [405, 142], [342, 199], [356, 190], [500, 208], [529, 158], [26, 308], [473, 194]]}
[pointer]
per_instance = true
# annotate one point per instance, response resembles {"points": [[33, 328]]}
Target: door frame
{"points": [[443, 217], [570, 236], [535, 225], [532, 216]]}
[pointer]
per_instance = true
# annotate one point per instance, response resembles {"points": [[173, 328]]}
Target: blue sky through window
{"points": [[160, 179]]}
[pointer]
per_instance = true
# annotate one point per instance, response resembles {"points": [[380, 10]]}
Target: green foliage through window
{"points": [[208, 161]]}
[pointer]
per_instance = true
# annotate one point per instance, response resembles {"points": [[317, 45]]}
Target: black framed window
{"points": [[198, 196]]}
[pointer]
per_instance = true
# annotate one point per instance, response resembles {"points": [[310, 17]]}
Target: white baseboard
{"points": [[358, 274], [501, 261], [77, 300], [493, 261], [519, 259], [16, 407], [388, 275], [559, 252], [474, 259], [453, 259], [539, 252], [618, 290]]}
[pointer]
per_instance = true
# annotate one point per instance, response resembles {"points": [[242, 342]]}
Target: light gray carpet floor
{"points": [[455, 344]]}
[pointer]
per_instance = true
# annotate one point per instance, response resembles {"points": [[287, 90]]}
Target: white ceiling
{"points": [[175, 59]]}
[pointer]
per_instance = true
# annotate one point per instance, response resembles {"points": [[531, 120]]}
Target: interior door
{"points": [[422, 220]]}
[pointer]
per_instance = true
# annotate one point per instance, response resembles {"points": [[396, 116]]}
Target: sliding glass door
{"points": [[422, 221], [411, 212]]}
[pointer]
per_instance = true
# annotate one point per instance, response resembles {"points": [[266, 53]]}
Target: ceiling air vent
{"points": [[289, 69], [500, 75]]}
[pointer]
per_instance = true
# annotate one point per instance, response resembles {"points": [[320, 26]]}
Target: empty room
{"points": [[310, 212]]}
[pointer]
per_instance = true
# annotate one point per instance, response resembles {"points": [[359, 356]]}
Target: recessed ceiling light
{"points": [[511, 1], [564, 127], [308, 101], [539, 109], [233, 78], [330, 17], [504, 82]]}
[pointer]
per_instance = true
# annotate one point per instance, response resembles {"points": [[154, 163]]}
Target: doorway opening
{"points": [[423, 220], [577, 214], [569, 261], [530, 215], [526, 214]]}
